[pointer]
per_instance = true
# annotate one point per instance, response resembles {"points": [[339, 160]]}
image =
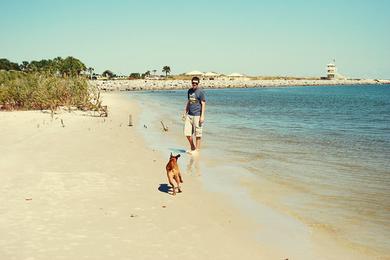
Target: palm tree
{"points": [[154, 72], [90, 70], [167, 70]]}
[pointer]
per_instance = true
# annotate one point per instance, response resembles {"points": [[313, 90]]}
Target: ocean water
{"points": [[320, 154]]}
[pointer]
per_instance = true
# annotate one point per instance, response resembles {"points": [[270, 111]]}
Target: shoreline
{"points": [[95, 189], [142, 85], [256, 200], [239, 186]]}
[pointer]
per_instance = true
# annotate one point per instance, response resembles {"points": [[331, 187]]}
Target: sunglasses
{"points": [[195, 83]]}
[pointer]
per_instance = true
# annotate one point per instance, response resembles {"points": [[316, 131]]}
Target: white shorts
{"points": [[191, 126]]}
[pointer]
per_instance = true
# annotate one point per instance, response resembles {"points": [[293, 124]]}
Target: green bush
{"points": [[30, 91]]}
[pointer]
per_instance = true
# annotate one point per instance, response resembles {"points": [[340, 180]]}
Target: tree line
{"points": [[69, 66], [137, 75]]}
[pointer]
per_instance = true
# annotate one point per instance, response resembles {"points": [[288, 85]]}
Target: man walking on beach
{"points": [[194, 115]]}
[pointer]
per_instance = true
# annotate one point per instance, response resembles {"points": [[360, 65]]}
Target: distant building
{"points": [[211, 75], [331, 70], [237, 76], [120, 77], [194, 73], [101, 77]]}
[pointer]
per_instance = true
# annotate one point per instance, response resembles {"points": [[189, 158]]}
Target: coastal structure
{"points": [[217, 76], [211, 75], [195, 73], [224, 82], [331, 70], [101, 77], [235, 75]]}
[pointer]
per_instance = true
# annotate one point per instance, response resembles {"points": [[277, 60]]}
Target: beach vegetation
{"points": [[46, 84], [33, 91], [5, 64], [136, 75], [90, 71], [166, 70], [24, 66], [108, 74], [146, 74], [69, 66]]}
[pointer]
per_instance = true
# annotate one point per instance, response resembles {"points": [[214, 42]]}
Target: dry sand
{"points": [[90, 188]]}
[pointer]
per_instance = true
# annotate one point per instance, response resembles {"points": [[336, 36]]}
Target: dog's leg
{"points": [[170, 179], [177, 179], [180, 178]]}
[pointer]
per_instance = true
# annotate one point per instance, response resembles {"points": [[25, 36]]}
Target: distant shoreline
{"points": [[142, 85]]}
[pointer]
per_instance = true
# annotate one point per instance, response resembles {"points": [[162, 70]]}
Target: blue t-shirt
{"points": [[195, 97]]}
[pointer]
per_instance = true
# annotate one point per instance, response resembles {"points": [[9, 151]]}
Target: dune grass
{"points": [[39, 91]]}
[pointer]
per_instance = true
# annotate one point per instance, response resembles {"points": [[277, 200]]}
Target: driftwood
{"points": [[103, 112], [165, 128], [130, 120]]}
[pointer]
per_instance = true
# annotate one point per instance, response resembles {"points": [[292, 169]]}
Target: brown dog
{"points": [[173, 173]]}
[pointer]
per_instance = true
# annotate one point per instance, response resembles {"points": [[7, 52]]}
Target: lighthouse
{"points": [[331, 70]]}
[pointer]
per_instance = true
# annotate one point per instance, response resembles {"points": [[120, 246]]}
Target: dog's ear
{"points": [[177, 156], [170, 156]]}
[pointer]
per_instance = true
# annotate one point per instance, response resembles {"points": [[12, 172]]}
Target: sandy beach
{"points": [[77, 186], [90, 190], [279, 110]]}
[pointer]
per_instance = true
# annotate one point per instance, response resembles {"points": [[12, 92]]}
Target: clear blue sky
{"points": [[279, 37]]}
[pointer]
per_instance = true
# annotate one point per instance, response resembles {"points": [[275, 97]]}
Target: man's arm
{"points": [[201, 120], [187, 107]]}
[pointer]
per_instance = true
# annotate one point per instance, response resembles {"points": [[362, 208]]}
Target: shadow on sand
{"points": [[164, 188]]}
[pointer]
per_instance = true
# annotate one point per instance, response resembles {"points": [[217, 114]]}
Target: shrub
{"points": [[29, 91]]}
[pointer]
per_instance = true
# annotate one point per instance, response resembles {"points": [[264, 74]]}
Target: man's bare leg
{"points": [[191, 141], [198, 143]]}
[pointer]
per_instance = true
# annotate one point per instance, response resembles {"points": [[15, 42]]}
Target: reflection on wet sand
{"points": [[193, 165]]}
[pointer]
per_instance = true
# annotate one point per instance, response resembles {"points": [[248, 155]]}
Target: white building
{"points": [[195, 73], [211, 75], [237, 76], [331, 70]]}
